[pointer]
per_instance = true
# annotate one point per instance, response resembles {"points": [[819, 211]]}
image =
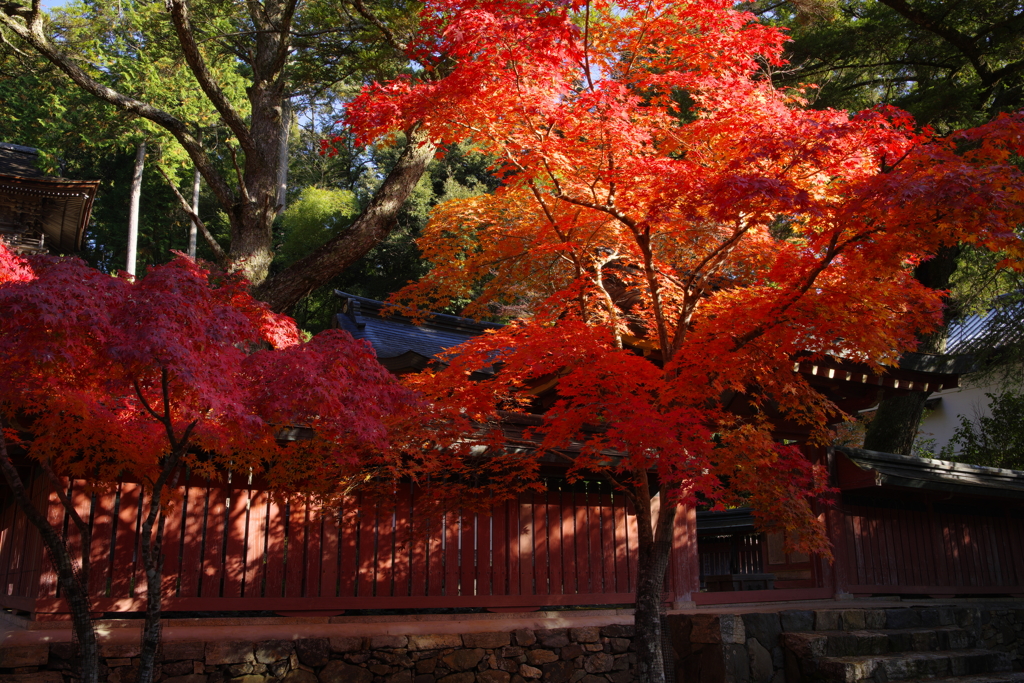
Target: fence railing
{"points": [[227, 549]]}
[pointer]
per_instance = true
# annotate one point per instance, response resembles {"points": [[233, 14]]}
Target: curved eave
{"points": [[65, 206]]}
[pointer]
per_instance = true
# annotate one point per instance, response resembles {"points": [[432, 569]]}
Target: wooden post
{"points": [[684, 567], [133, 208]]}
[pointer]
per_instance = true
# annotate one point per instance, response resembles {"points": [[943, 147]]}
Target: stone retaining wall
{"points": [[564, 655]]}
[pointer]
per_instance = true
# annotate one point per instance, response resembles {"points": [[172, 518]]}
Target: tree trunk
{"points": [[151, 548], [284, 289], [73, 586], [655, 546], [894, 426], [133, 208]]}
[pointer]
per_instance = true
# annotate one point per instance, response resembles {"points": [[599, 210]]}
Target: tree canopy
{"points": [[113, 377], [677, 231]]}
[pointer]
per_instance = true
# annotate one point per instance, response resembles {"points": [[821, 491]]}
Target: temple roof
{"points": [[403, 345], [37, 212], [859, 469]]}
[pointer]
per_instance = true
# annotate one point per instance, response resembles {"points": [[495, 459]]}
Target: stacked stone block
{"points": [[566, 655]]}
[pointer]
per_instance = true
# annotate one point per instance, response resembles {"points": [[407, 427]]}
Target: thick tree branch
{"points": [[283, 290], [193, 57], [32, 33]]}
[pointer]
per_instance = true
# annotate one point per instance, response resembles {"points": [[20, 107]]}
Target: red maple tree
{"points": [[675, 231], [106, 378]]}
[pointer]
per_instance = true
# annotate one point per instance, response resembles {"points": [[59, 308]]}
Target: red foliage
{"points": [[678, 231], [85, 356]]}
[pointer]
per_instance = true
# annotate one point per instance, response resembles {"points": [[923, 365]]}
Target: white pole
{"points": [[193, 228], [133, 208]]}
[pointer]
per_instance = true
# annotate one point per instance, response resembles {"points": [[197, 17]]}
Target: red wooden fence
{"points": [[229, 549], [928, 547]]}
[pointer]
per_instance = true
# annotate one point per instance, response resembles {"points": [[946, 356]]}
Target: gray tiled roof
{"points": [[19, 160], [397, 339], [999, 327]]}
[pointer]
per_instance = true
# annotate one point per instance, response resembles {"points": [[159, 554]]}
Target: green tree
{"points": [[995, 440], [275, 49]]}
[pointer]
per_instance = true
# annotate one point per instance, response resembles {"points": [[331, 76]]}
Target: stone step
{"points": [[872, 642], [1011, 677], [904, 666], [889, 618]]}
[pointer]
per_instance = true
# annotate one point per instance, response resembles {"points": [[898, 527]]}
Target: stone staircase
{"points": [[936, 644]]}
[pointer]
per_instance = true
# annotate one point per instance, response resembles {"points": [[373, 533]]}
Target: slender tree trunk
{"points": [[655, 546], [72, 585], [151, 548], [133, 208], [193, 231]]}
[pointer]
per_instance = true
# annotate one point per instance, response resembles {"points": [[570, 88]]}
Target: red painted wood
{"points": [[582, 541], [595, 560], [403, 540], [347, 541], [170, 544], [367, 547], [213, 547], [1015, 557], [541, 552], [419, 545], [554, 520], [526, 545], [314, 537], [125, 542], [319, 605], [484, 554], [385, 550], [782, 595], [467, 559], [34, 547], [329, 553], [631, 545], [100, 550], [48, 573], [570, 578], [435, 554], [82, 505], [273, 584], [256, 544], [452, 519], [940, 549], [7, 520], [295, 553], [608, 542], [192, 556], [234, 548], [501, 547]]}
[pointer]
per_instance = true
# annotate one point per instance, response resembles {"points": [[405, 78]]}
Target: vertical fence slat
{"points": [[385, 549], [569, 576], [583, 536], [126, 541], [367, 547], [500, 544], [608, 542], [234, 548], [526, 547], [420, 544], [467, 560], [403, 540], [347, 541], [329, 553], [632, 549], [541, 565], [621, 571], [256, 544], [512, 514], [554, 520], [452, 519], [6, 541], [316, 517], [276, 522], [55, 516], [170, 545], [213, 550], [484, 554], [38, 487], [192, 557], [99, 551], [435, 538], [295, 553]]}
